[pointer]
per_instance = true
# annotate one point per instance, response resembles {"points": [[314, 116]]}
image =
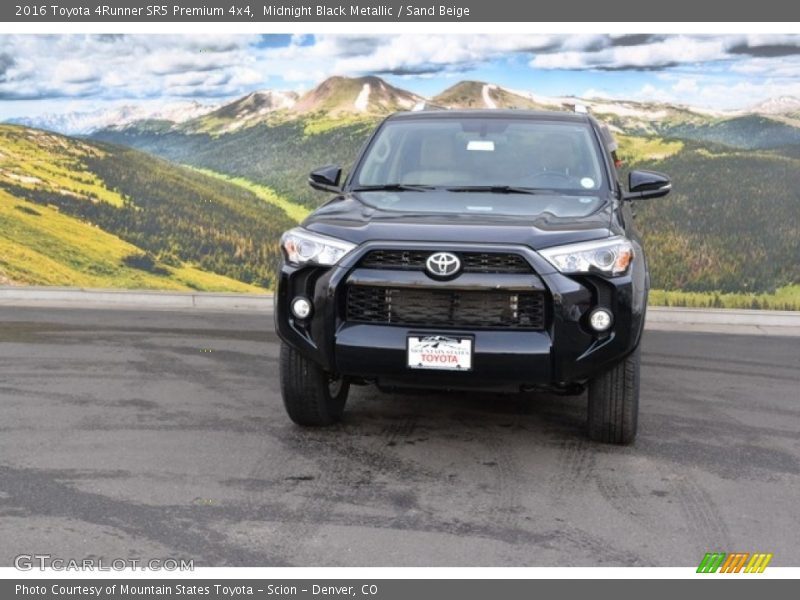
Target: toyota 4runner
{"points": [[470, 250]]}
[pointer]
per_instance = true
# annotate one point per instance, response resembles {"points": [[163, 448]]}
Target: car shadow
{"points": [[545, 415]]}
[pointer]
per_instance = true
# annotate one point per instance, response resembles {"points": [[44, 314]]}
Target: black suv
{"points": [[470, 250]]}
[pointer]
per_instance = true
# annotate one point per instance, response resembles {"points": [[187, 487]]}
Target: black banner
{"points": [[379, 589], [190, 11]]}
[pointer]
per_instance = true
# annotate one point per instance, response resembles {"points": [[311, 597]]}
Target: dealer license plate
{"points": [[440, 352]]}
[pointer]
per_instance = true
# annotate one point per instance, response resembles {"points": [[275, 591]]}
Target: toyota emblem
{"points": [[443, 264]]}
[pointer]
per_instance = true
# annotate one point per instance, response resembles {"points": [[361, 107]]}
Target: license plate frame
{"points": [[440, 352]]}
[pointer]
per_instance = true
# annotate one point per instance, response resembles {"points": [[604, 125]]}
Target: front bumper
{"points": [[564, 354]]}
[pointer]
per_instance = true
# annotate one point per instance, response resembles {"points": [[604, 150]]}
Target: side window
{"points": [[377, 163]]}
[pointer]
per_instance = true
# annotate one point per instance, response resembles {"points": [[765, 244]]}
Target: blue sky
{"points": [[62, 73]]}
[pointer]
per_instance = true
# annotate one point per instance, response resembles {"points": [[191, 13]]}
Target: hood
{"points": [[356, 218]]}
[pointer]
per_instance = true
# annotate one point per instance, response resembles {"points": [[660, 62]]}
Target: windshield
{"points": [[467, 153]]}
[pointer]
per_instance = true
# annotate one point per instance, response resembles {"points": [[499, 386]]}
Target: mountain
{"points": [[477, 94], [774, 123], [338, 96], [283, 145], [364, 99], [648, 118], [277, 144], [83, 123], [253, 108], [78, 212], [782, 105], [357, 99]]}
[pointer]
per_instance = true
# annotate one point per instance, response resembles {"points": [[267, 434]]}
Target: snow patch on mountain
{"points": [[778, 106], [362, 100], [487, 98]]}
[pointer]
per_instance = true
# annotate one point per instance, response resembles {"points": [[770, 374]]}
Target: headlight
{"points": [[612, 256], [303, 247]]}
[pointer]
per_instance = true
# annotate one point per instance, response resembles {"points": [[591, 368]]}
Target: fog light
{"points": [[600, 319], [301, 307]]}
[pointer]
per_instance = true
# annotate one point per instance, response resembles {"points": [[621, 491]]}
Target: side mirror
{"points": [[647, 184], [326, 178]]}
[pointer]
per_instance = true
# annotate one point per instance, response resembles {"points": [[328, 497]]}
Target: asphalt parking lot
{"points": [[136, 434]]}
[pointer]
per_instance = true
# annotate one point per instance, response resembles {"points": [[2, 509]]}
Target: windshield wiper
{"points": [[394, 187], [494, 189]]}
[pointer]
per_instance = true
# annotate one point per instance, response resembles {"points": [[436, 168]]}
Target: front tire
{"points": [[614, 402], [312, 396]]}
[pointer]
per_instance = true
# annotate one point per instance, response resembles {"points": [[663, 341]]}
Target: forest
{"points": [[279, 156], [731, 224]]}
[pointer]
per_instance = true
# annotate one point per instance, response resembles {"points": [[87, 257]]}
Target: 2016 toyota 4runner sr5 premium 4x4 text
{"points": [[470, 250]]}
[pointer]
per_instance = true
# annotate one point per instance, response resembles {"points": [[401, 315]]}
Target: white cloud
{"points": [[685, 85], [785, 66], [656, 54], [337, 54], [135, 66]]}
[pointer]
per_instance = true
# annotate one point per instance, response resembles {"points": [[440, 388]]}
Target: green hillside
{"points": [[41, 246], [732, 223], [84, 213], [279, 156], [296, 212]]}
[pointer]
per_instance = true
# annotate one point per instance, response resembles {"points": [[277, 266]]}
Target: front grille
{"points": [[472, 262], [445, 308]]}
